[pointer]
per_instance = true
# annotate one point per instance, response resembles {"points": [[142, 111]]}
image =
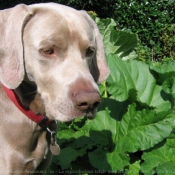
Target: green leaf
{"points": [[82, 142], [131, 56], [123, 43], [161, 158], [133, 80], [164, 71], [103, 89], [167, 168], [117, 42], [134, 168], [104, 160], [137, 130], [169, 86], [105, 25], [140, 130], [68, 155]]}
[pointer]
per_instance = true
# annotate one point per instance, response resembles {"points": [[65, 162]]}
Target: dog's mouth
{"points": [[65, 115], [74, 113], [91, 114], [69, 111]]}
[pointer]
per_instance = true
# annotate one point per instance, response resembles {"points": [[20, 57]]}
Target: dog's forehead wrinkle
{"points": [[48, 42], [48, 36], [63, 21], [42, 27]]}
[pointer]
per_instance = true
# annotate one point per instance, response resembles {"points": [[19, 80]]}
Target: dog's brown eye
{"points": [[49, 51], [90, 52]]}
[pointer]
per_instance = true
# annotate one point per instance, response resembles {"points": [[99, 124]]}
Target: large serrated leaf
{"points": [[123, 44], [117, 42], [164, 71], [137, 130], [143, 129], [169, 86], [69, 155], [133, 79], [104, 160], [160, 159], [134, 169], [105, 25]]}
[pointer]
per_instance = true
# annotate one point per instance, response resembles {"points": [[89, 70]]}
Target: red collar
{"points": [[39, 119]]}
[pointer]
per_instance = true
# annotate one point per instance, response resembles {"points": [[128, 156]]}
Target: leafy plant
{"points": [[167, 39], [148, 19], [117, 42], [133, 132]]}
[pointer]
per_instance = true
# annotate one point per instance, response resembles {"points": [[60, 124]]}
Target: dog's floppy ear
{"points": [[12, 22], [98, 67]]}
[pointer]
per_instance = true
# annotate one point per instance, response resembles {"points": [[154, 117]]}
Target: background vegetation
{"points": [[133, 132]]}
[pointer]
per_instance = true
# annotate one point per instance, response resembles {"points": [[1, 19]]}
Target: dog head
{"points": [[60, 50]]}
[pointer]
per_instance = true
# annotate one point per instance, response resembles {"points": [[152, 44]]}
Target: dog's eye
{"points": [[90, 52], [49, 51]]}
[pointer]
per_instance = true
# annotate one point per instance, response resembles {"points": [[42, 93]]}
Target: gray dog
{"points": [[51, 59]]}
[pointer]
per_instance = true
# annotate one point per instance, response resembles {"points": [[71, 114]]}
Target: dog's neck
{"points": [[35, 109], [26, 92], [28, 96]]}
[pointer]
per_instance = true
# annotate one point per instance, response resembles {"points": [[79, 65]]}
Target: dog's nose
{"points": [[86, 101]]}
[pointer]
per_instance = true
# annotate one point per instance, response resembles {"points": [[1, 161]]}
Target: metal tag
{"points": [[55, 149]]}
